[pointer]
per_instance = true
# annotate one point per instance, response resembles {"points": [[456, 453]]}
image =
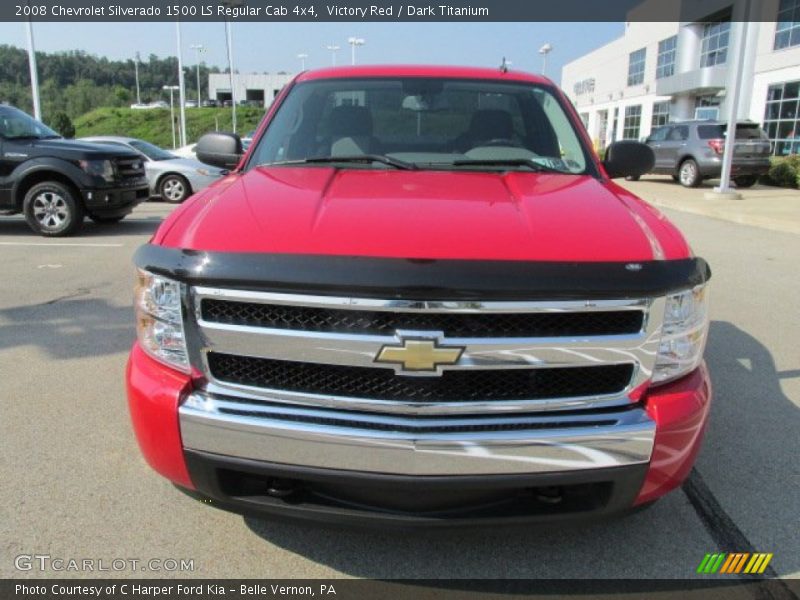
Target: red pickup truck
{"points": [[419, 299]]}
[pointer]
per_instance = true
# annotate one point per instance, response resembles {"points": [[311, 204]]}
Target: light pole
{"points": [[37, 107], [354, 41], [198, 49], [229, 44], [136, 73], [544, 51], [182, 90], [171, 89], [333, 49], [302, 56]]}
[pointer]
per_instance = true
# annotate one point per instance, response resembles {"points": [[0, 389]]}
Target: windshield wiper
{"points": [[358, 158], [506, 162]]}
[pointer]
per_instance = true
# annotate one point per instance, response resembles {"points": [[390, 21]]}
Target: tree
{"points": [[63, 124]]}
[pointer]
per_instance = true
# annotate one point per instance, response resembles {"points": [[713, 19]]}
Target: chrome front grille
{"points": [[518, 357]]}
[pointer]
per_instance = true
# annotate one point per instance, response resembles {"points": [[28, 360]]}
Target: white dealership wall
{"points": [[608, 66], [268, 83]]}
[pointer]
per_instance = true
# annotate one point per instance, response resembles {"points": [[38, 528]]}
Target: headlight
{"points": [[159, 319], [684, 334], [99, 168]]}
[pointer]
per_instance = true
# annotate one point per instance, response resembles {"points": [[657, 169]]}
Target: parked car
{"points": [[691, 151], [171, 177], [190, 104], [395, 313], [55, 182], [210, 103]]}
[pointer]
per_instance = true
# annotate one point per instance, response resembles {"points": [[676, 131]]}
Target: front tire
{"points": [[52, 210], [745, 181], [174, 189], [689, 174]]}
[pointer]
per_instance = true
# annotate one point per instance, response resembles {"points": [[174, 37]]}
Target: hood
{"points": [[75, 149], [188, 164], [424, 214]]}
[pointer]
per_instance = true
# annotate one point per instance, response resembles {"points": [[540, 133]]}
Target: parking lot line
{"points": [[78, 245]]}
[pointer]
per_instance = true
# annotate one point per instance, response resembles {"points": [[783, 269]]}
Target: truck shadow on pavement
{"points": [[666, 541], [73, 325]]}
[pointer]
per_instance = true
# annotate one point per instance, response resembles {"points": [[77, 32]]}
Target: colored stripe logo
{"points": [[734, 563]]}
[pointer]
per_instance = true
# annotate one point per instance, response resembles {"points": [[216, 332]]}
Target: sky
{"points": [[268, 47]]}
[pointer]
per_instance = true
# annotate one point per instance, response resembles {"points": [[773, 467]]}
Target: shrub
{"points": [[63, 125], [784, 172]]}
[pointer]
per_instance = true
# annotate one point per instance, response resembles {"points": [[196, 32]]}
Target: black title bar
{"points": [[309, 11]]}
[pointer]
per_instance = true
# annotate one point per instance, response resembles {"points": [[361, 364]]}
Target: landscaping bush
{"points": [[784, 172]]}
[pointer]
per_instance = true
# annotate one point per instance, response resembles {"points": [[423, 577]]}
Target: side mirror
{"points": [[220, 150], [628, 159]]}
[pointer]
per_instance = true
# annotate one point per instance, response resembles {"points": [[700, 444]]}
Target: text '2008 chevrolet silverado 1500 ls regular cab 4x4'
{"points": [[420, 299]]}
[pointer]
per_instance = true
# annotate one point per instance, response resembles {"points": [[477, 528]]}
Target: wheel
{"points": [[174, 189], [689, 174], [633, 178], [51, 209], [101, 220], [746, 181]]}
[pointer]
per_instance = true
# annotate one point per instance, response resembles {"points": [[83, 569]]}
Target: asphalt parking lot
{"points": [[75, 486]]}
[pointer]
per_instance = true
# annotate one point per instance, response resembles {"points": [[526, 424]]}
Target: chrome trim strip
{"points": [[266, 433], [394, 305]]}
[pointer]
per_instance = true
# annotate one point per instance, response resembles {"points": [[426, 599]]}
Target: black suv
{"points": [[691, 151], [56, 182]]}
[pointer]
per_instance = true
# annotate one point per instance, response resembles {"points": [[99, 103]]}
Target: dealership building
{"points": [[261, 88], [659, 72]]}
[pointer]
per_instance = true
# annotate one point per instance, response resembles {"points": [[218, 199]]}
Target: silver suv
{"points": [[691, 151]]}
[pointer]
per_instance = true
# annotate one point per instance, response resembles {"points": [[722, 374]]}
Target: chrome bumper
{"points": [[390, 444]]}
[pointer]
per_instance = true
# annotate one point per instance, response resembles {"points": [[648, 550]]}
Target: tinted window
{"points": [[150, 151], [15, 124], [658, 135], [430, 122], [743, 132], [679, 133]]}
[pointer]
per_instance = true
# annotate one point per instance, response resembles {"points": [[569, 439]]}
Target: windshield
{"points": [[424, 123], [749, 131], [150, 151], [15, 124]]}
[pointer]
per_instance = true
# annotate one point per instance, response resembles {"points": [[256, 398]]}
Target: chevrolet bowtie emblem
{"points": [[420, 355]]}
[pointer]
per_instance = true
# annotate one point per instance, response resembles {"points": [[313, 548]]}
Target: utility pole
{"points": [[333, 49], [136, 72], [229, 44], [171, 89], [181, 91], [198, 49], [37, 107], [734, 85]]}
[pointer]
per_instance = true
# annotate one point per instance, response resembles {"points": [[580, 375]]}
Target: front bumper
{"points": [[599, 463], [713, 168], [115, 201]]}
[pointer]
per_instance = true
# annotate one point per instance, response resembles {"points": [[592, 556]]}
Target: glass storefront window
{"points": [[782, 118]]}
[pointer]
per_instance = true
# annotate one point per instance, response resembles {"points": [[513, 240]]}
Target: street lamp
{"points": [[171, 89], [229, 42], [198, 49], [333, 49], [544, 51], [181, 91], [354, 41], [303, 56]]}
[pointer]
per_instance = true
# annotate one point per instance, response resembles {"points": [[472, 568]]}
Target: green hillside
{"points": [[153, 125]]}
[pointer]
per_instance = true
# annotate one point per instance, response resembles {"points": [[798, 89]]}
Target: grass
{"points": [[154, 126]]}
